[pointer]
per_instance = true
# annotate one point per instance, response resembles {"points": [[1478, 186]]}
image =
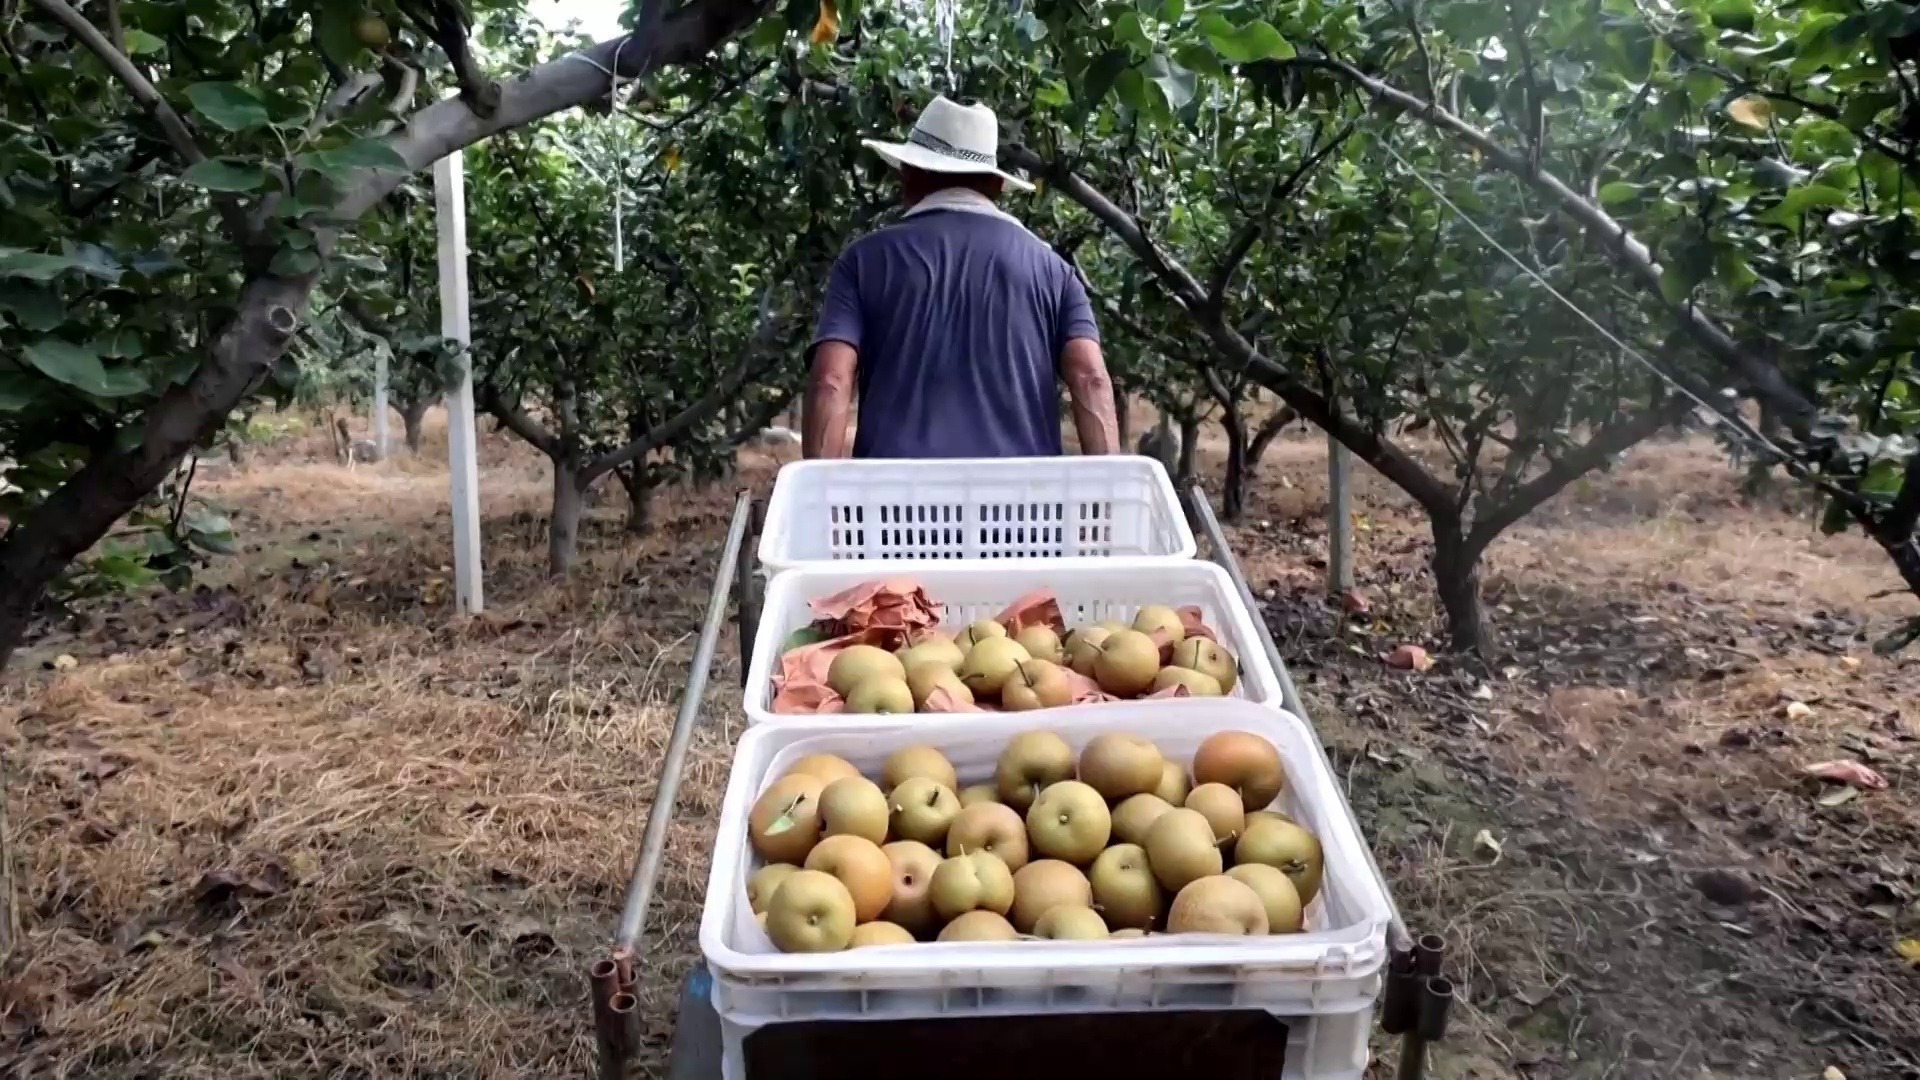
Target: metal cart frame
{"points": [[1417, 995]]}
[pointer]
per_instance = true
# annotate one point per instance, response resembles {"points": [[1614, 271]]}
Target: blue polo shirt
{"points": [[959, 320]]}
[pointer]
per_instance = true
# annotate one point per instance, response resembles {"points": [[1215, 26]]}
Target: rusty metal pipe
{"points": [[626, 1013], [609, 1031], [1429, 955], [1436, 998], [1399, 1006]]}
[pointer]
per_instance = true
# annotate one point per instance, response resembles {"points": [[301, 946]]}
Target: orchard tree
{"points": [[178, 179]]}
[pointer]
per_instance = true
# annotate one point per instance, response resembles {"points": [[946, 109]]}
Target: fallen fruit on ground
{"points": [[1040, 886], [862, 867], [811, 912], [1217, 905]]}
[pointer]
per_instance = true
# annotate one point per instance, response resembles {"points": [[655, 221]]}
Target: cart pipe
{"points": [[625, 1008], [1398, 938], [1436, 998], [609, 1030], [748, 597], [1429, 955], [646, 869]]}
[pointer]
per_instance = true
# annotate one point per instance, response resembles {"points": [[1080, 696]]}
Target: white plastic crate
{"points": [[973, 508], [1088, 592], [1322, 982]]}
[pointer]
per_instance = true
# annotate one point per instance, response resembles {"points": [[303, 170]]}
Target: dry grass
{"points": [[327, 829]]}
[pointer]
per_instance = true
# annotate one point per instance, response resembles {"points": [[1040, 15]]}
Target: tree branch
{"points": [[1250, 232], [1761, 376], [1534, 104], [515, 420], [117, 62]]}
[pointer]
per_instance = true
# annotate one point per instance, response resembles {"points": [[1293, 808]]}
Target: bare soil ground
{"points": [[304, 822]]}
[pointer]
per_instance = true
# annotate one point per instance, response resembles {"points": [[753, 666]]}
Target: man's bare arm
{"points": [[829, 401], [1084, 371]]}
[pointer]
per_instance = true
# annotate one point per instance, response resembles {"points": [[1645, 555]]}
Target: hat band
{"points": [[939, 145]]}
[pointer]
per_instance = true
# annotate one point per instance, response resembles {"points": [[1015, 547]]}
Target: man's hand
{"points": [[829, 401], [1084, 371]]}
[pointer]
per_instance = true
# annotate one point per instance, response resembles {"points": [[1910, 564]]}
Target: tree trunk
{"points": [[1266, 434], [1233, 499], [1189, 440], [563, 529], [1123, 416], [639, 485], [237, 452], [413, 419], [1456, 577]]}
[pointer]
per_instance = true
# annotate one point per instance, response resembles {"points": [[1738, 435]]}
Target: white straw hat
{"points": [[950, 138]]}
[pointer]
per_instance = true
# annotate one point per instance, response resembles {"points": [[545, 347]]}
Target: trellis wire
{"points": [[1753, 439]]}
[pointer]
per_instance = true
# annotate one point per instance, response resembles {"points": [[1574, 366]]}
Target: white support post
{"points": [[380, 436], [1339, 517], [450, 217]]}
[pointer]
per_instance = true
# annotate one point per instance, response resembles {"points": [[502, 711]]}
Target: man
{"points": [[957, 323]]}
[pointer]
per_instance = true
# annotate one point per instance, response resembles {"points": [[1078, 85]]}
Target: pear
{"points": [[1069, 821], [937, 649], [1127, 663], [1046, 884], [1180, 848], [1031, 761], [1070, 922], [1036, 684], [881, 695], [1127, 932], [978, 793], [870, 934], [1118, 766], [862, 867], [1207, 658], [988, 665], [785, 820], [923, 808], [1158, 619], [1217, 904], [1197, 685], [1220, 805], [856, 664], [912, 903], [1124, 888], [1173, 786], [810, 912], [1084, 648], [827, 767], [920, 760], [926, 676], [764, 881], [1244, 762], [978, 631], [1041, 643], [854, 806], [973, 882], [1136, 814], [1276, 893], [1286, 847], [991, 827], [980, 926]]}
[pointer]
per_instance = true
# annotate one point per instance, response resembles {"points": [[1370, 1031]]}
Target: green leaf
{"points": [[1566, 73], [369, 154], [1101, 76], [1128, 31], [1618, 193], [1175, 82], [141, 43], [229, 105], [1810, 197], [80, 368], [34, 266], [1821, 139], [337, 39], [1255, 41], [17, 394], [1171, 10], [806, 635], [225, 174], [1199, 58], [32, 307], [1731, 14], [292, 262]]}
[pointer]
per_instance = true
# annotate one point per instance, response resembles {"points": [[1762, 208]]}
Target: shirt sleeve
{"points": [[840, 312], [1076, 312]]}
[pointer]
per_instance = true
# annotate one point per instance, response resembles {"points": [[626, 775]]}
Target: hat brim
{"points": [[898, 154]]}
